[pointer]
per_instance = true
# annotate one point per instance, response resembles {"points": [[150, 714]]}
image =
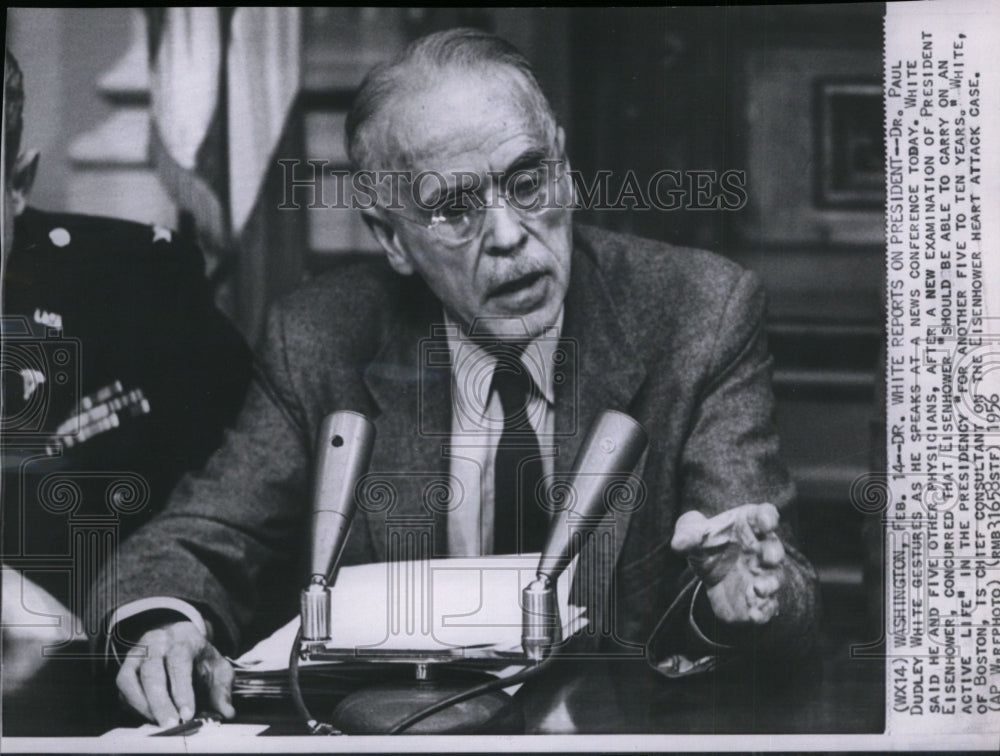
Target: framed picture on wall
{"points": [[850, 151], [807, 115]]}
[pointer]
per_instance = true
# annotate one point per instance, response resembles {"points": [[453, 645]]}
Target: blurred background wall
{"points": [[85, 72], [790, 95]]}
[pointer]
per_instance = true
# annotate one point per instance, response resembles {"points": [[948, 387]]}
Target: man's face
{"points": [[512, 275], [16, 186]]}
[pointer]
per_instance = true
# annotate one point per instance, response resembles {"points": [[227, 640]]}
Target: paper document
{"points": [[434, 605], [210, 734]]}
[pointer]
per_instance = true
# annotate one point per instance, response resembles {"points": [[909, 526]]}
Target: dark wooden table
{"points": [[629, 697], [837, 695]]}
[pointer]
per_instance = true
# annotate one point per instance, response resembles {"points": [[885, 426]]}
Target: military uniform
{"points": [[119, 375]]}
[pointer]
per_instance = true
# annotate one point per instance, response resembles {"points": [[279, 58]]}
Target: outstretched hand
{"points": [[158, 676], [738, 556]]}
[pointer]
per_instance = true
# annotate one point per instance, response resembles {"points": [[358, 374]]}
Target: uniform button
{"points": [[59, 236]]}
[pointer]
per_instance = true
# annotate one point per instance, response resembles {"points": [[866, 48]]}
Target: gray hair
{"points": [[463, 48]]}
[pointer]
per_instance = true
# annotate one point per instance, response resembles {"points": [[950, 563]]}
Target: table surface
{"points": [[838, 695]]}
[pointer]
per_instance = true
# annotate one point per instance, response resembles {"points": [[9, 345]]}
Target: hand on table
{"points": [[738, 556], [158, 675]]}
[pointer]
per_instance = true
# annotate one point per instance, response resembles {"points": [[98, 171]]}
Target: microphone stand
{"points": [[344, 450], [611, 450]]}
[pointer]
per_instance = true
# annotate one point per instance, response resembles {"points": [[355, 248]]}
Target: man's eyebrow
{"points": [[531, 158], [450, 191]]}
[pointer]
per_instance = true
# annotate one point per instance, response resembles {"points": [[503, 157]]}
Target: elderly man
{"points": [[119, 375], [545, 324]]}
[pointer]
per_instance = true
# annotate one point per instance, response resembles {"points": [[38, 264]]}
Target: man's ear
{"points": [[22, 178], [387, 237], [560, 141], [561, 150]]}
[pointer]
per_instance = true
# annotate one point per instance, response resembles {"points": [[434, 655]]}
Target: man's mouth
{"points": [[517, 284]]}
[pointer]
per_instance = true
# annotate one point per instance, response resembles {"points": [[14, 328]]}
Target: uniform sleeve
{"points": [[228, 530], [730, 458]]}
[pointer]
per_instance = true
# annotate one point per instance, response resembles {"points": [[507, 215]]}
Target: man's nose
{"points": [[505, 231]]}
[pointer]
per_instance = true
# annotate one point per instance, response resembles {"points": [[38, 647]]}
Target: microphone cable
{"points": [[315, 726], [477, 690], [324, 728]]}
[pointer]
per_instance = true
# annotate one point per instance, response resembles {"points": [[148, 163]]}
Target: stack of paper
{"points": [[460, 605]]}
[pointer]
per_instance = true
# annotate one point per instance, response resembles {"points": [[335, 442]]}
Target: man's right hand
{"points": [[158, 676]]}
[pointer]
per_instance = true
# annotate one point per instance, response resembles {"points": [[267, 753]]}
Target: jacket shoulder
{"points": [[675, 299], [350, 288], [655, 269], [94, 237], [350, 306]]}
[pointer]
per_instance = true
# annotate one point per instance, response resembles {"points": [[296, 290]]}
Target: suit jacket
{"points": [[674, 337], [105, 318]]}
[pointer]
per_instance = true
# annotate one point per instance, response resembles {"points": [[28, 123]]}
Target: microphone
{"points": [[611, 450], [343, 453]]}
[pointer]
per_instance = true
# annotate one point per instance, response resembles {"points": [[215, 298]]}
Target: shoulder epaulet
{"points": [[65, 230]]}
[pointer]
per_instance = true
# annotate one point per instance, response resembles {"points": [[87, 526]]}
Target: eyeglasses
{"points": [[530, 192]]}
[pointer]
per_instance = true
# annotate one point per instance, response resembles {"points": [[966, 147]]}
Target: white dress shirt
{"points": [[476, 426]]}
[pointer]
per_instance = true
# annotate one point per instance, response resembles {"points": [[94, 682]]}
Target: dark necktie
{"points": [[519, 523]]}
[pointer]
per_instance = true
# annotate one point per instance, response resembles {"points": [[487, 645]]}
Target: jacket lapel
{"points": [[605, 374], [410, 380], [603, 370]]}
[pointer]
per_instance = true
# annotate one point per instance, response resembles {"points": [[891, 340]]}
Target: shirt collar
{"points": [[472, 366]]}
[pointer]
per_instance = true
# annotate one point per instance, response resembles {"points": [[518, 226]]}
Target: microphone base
{"points": [[377, 709]]}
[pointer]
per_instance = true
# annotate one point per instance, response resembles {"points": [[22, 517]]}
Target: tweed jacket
{"points": [[673, 337]]}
